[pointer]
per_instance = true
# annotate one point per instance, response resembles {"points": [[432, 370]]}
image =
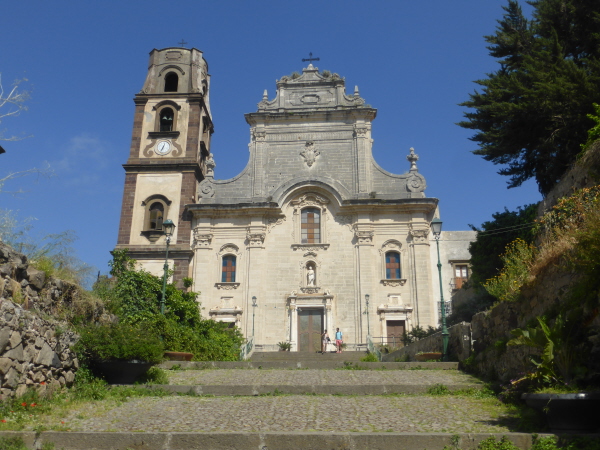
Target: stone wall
{"points": [[33, 352], [459, 345], [34, 347]]}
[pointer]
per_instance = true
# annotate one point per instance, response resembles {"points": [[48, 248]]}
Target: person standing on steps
{"points": [[339, 340], [324, 341]]}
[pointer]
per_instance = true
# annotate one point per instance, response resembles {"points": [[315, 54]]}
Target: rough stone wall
{"points": [[34, 350], [459, 345]]}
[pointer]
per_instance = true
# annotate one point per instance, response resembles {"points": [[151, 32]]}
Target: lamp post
{"points": [[367, 313], [168, 226], [436, 227], [254, 305]]}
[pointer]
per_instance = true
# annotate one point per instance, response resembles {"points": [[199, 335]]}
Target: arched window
{"points": [[166, 119], [171, 82], [156, 214], [310, 226], [228, 269], [392, 265]]}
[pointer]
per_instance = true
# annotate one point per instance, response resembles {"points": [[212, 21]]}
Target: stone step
{"points": [[239, 440], [306, 356], [314, 381], [286, 389], [318, 364]]}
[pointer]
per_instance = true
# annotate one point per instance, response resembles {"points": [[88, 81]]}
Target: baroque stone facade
{"points": [[313, 228]]}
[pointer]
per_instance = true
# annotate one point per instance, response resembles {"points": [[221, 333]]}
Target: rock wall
{"points": [[459, 345], [34, 347], [34, 352]]}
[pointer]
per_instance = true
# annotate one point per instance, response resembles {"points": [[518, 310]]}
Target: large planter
{"points": [[178, 356], [428, 356], [122, 372], [567, 412]]}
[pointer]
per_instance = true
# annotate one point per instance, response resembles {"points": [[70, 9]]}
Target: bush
{"points": [[517, 260], [135, 296], [119, 342]]}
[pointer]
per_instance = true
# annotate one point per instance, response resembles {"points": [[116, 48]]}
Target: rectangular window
{"points": [[310, 226], [461, 275], [392, 265], [228, 270]]}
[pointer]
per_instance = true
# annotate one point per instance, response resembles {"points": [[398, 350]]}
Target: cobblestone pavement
{"points": [[318, 377], [291, 413]]}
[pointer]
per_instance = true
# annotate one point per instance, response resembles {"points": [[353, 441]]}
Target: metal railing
{"points": [[373, 348], [388, 341], [247, 349]]}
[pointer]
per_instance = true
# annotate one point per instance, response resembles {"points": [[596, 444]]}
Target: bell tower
{"points": [[170, 146]]}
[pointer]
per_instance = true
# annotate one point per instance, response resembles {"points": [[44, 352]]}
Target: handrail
{"points": [[373, 348], [247, 349]]}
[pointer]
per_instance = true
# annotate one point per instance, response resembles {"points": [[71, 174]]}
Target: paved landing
{"points": [[291, 413]]}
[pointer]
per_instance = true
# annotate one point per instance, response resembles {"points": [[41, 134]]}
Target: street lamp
{"points": [[254, 305], [367, 313], [436, 228], [168, 226]]}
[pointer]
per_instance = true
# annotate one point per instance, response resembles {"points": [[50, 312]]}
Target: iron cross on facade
{"points": [[310, 59], [182, 43]]}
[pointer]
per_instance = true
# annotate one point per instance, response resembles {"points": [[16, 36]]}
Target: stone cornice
{"points": [[210, 210], [142, 252]]}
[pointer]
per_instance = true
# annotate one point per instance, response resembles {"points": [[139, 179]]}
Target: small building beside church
{"points": [[313, 229]]}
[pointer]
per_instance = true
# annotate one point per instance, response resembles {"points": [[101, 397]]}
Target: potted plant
{"points": [[554, 379], [119, 352], [284, 346]]}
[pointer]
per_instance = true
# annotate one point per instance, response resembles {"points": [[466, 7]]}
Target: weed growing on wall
{"points": [[517, 260]]}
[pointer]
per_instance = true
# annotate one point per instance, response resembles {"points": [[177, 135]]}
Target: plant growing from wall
{"points": [[517, 260], [557, 364]]}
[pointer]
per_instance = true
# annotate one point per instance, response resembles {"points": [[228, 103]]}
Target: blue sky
{"points": [[413, 61]]}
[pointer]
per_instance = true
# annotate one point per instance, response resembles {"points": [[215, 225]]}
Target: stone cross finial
{"points": [[182, 43], [413, 158]]}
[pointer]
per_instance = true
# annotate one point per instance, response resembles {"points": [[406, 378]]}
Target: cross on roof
{"points": [[182, 43], [310, 59]]}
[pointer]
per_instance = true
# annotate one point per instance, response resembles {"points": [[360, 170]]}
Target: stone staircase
{"points": [[290, 400]]}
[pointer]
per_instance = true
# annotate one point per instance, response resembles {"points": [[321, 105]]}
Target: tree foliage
{"points": [[494, 236], [135, 297], [532, 114]]}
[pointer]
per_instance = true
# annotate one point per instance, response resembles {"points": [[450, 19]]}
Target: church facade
{"points": [[313, 234]]}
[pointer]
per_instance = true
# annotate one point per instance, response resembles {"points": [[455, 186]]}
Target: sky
{"points": [[414, 61]]}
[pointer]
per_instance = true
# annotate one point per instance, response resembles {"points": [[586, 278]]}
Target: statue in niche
{"points": [[310, 275]]}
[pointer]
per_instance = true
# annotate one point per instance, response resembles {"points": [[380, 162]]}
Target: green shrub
{"points": [[136, 296], [369, 357], [120, 341], [438, 389], [154, 375], [517, 260]]}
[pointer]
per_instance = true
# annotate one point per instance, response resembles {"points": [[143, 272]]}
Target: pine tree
{"points": [[531, 114]]}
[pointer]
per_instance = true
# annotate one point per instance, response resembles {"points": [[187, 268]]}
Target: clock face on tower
{"points": [[163, 148]]}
